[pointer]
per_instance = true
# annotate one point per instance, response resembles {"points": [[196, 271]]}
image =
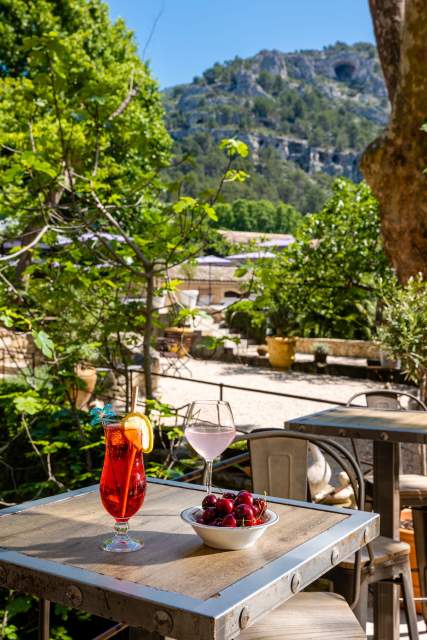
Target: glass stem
{"points": [[208, 476], [121, 528]]}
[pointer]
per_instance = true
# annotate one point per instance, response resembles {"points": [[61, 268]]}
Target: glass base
{"points": [[121, 542]]}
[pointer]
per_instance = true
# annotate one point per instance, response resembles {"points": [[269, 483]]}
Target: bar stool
{"points": [[412, 487]]}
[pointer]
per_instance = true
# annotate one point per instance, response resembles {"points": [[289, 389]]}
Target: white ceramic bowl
{"points": [[228, 538]]}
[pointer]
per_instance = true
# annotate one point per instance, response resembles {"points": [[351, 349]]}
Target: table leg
{"points": [[387, 504], [44, 619], [419, 515]]}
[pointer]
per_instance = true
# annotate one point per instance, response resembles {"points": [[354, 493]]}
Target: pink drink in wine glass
{"points": [[207, 442], [209, 430]]}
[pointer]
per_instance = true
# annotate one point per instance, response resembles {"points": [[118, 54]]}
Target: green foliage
{"points": [[270, 178], [258, 215], [244, 317], [403, 332], [326, 284]]}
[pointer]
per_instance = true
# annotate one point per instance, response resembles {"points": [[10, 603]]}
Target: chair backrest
{"points": [[279, 463], [389, 399], [279, 467], [278, 459]]}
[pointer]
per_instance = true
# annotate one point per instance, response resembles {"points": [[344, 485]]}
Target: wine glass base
{"points": [[121, 544]]}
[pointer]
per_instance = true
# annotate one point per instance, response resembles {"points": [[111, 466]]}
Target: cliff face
{"points": [[315, 109]]}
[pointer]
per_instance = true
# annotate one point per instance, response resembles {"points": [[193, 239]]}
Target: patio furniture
{"points": [[412, 487], [175, 347], [174, 586], [279, 463], [387, 429], [308, 616]]}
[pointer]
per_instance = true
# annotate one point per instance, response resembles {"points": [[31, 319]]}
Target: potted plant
{"points": [[279, 308], [281, 334], [403, 333], [320, 352]]}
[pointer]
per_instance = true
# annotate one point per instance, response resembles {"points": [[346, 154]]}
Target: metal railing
{"points": [[222, 386]]}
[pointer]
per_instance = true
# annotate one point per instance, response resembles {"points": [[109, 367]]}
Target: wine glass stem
{"points": [[208, 476]]}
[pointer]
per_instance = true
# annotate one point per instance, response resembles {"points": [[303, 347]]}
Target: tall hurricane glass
{"points": [[209, 429], [123, 483]]}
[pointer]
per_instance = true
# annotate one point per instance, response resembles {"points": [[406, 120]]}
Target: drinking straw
{"points": [[134, 402]]}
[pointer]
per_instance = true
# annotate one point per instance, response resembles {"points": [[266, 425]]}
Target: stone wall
{"points": [[343, 348]]}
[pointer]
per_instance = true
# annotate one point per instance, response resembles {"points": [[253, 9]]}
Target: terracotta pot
{"points": [[281, 351], [87, 374], [407, 535]]}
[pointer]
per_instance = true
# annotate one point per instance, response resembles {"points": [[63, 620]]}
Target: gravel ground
{"points": [[257, 409]]}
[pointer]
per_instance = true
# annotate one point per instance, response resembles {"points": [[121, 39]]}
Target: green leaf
{"points": [[235, 176], [28, 404], [234, 147], [210, 211], [44, 343]]}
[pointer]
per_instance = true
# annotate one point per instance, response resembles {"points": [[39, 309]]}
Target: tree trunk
{"points": [[148, 335], [393, 164]]}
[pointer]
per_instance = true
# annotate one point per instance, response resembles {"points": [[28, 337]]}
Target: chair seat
{"points": [[385, 551], [412, 487], [308, 616]]}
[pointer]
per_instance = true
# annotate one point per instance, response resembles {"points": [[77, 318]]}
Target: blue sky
{"points": [[190, 35]]}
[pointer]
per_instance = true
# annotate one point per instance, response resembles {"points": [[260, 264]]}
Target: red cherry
{"points": [[259, 521], [243, 512], [244, 497], [230, 495], [261, 505], [224, 506], [200, 519], [217, 522], [209, 515], [229, 521], [209, 501]]}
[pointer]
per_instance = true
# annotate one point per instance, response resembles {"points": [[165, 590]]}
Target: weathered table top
{"points": [[174, 585], [364, 423]]}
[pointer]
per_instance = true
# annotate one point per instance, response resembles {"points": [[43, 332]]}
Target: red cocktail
{"points": [[123, 482]]}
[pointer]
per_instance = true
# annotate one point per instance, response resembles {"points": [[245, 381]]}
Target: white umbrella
{"points": [[212, 261]]}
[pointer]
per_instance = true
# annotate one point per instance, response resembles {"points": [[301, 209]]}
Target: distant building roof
{"points": [[204, 272], [253, 236]]}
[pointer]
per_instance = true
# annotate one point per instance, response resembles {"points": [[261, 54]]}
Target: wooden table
{"points": [[175, 586], [387, 429]]}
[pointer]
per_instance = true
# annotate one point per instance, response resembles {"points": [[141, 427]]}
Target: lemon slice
{"points": [[137, 428]]}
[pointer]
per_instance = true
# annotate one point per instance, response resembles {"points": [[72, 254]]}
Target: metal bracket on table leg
{"points": [[44, 619]]}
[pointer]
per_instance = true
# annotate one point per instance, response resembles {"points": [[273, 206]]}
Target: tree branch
{"points": [[29, 246], [387, 17]]}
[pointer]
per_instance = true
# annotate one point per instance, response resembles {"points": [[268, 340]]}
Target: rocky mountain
{"points": [[306, 117]]}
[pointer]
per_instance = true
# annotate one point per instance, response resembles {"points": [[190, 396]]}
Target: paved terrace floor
{"points": [[267, 411]]}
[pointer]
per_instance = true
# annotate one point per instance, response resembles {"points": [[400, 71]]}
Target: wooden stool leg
{"points": [[419, 515], [44, 619], [361, 608], [409, 603]]}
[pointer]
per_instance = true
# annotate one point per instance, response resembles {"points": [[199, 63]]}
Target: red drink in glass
{"points": [[123, 482]]}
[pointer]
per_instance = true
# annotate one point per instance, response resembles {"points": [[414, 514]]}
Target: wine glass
{"points": [[209, 429]]}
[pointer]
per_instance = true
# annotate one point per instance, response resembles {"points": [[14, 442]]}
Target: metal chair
{"points": [[175, 349], [279, 467], [413, 487]]}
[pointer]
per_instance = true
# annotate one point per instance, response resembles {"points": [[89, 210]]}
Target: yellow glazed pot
{"points": [[281, 351]]}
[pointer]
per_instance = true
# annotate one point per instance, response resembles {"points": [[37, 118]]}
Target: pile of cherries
{"points": [[232, 510]]}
